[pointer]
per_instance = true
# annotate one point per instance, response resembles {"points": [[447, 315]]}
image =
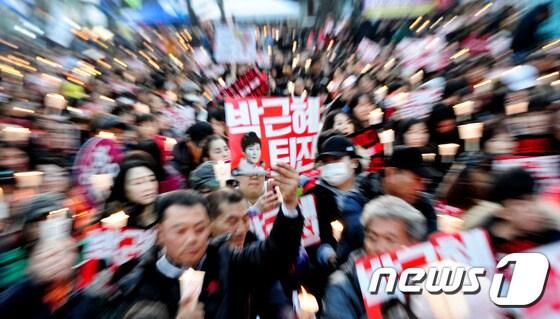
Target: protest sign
{"points": [[545, 169], [548, 307], [430, 53], [117, 246], [273, 130], [468, 248], [374, 9], [235, 44], [368, 50], [368, 140], [178, 118], [261, 224], [98, 156], [252, 83], [418, 104]]}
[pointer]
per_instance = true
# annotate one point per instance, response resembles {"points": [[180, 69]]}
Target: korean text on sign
{"points": [[287, 127]]}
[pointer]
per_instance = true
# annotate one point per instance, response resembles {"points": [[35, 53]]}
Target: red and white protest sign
{"points": [[97, 156], [430, 53], [545, 169], [262, 223], [252, 83], [368, 50], [548, 307], [368, 140], [287, 129], [418, 104], [468, 248], [116, 247]]}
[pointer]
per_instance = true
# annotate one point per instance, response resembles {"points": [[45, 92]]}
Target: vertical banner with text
{"points": [[270, 130]]}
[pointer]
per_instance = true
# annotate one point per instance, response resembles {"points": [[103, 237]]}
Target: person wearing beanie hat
{"points": [[203, 179], [187, 154], [521, 224]]}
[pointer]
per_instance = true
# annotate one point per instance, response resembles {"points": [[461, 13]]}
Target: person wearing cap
{"points": [[523, 223], [339, 167], [203, 178], [405, 176], [187, 154]]}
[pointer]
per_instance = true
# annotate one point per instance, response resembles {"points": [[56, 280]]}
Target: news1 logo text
{"points": [[526, 286]]}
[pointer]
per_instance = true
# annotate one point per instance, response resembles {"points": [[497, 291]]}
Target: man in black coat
{"points": [[229, 274]]}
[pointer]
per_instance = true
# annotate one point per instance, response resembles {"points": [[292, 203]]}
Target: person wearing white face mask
{"points": [[339, 167]]}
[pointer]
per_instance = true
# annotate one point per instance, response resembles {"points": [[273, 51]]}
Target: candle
{"points": [[170, 144], [471, 133], [141, 108], [59, 213], [463, 110], [15, 134], [55, 101], [190, 284], [29, 179], [116, 221], [448, 151], [307, 302], [106, 135], [449, 224], [516, 108], [416, 78], [387, 137], [429, 157], [101, 182], [375, 116], [482, 87], [4, 212], [222, 171], [381, 93], [55, 228], [337, 229]]}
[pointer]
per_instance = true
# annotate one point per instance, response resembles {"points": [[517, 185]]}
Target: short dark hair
{"points": [[142, 118], [249, 139], [217, 113], [181, 197], [513, 184], [219, 197]]}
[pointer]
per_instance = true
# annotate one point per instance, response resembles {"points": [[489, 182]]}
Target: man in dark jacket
{"points": [[390, 223], [229, 274], [339, 165], [187, 154], [228, 212]]}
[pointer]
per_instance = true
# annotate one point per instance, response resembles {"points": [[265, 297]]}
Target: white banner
{"points": [[235, 45]]}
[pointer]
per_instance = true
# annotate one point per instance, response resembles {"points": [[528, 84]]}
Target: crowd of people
{"points": [[151, 127]]}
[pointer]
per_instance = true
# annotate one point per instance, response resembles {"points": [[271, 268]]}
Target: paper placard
{"points": [[262, 223], [287, 128]]}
